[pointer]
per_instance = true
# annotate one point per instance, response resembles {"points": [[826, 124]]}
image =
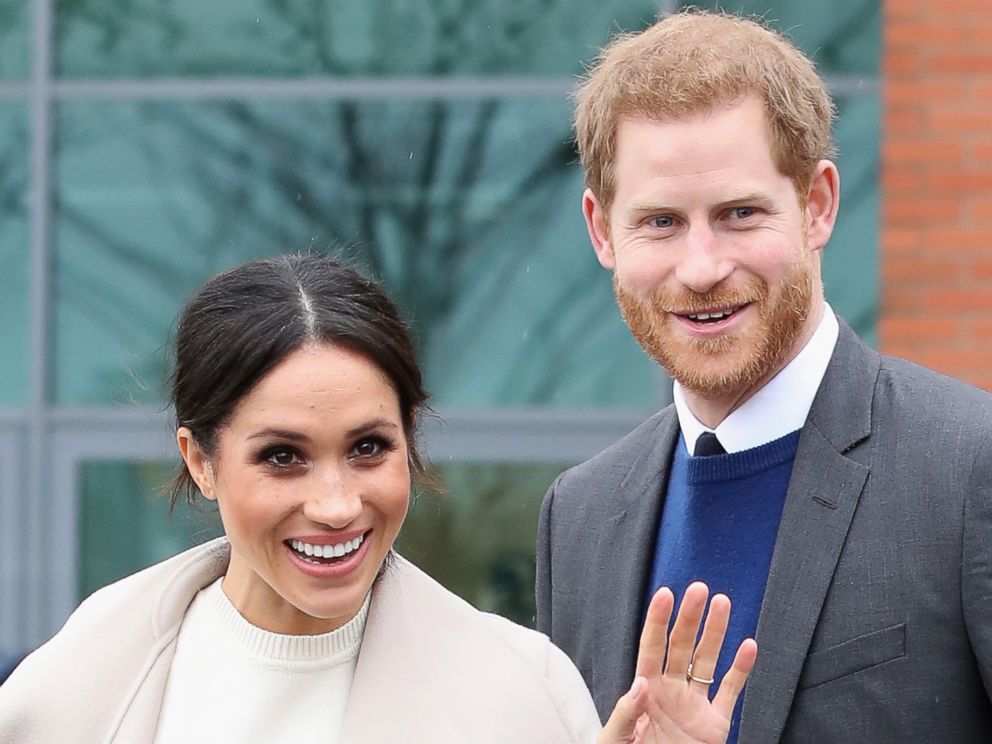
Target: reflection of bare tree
{"points": [[406, 187], [344, 37], [399, 182], [478, 539], [14, 52], [13, 252]]}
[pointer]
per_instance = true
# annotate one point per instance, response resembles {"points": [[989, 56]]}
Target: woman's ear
{"points": [[196, 462]]}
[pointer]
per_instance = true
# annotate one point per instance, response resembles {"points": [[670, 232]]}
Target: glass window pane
{"points": [[850, 260], [139, 38], [124, 521], [13, 255], [477, 538], [842, 37], [14, 25], [468, 211]]}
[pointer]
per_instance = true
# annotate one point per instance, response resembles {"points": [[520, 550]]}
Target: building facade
{"points": [[148, 145]]}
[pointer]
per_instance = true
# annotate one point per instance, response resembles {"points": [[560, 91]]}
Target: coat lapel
{"points": [[827, 479], [433, 669], [630, 519]]}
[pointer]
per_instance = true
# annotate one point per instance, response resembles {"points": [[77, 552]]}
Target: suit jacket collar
{"points": [[828, 476], [626, 532]]}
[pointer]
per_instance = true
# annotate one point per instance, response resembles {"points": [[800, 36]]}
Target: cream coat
{"points": [[431, 667]]}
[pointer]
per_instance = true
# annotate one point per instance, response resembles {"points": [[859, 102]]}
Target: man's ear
{"points": [[599, 232], [196, 462], [822, 203]]}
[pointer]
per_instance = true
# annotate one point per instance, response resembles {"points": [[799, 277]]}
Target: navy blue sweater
{"points": [[718, 525]]}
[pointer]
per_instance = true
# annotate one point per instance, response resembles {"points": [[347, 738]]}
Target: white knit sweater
{"points": [[233, 682]]}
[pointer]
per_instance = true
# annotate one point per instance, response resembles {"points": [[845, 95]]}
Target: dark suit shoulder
{"points": [[613, 464], [932, 396]]}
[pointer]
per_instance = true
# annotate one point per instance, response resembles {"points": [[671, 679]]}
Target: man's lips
{"points": [[712, 314]]}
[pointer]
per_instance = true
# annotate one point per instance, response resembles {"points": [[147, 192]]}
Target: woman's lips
{"points": [[331, 565]]}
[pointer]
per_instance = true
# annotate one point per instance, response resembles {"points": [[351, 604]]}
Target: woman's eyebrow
{"points": [[268, 432], [370, 425]]}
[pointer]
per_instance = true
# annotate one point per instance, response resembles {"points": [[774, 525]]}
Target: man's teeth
{"points": [[327, 551], [719, 315]]}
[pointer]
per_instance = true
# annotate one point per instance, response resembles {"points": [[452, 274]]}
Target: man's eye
{"points": [[742, 213], [662, 221]]}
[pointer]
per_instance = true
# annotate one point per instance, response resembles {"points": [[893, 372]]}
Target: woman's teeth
{"points": [[326, 551]]}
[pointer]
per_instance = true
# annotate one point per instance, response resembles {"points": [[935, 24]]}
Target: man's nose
{"points": [[703, 263]]}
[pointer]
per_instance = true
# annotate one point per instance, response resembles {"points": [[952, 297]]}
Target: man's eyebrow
{"points": [[651, 207], [749, 198]]}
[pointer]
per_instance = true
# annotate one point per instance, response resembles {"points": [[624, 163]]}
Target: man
{"points": [[845, 501]]}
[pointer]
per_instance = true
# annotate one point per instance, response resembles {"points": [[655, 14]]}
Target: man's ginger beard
{"points": [[728, 364]]}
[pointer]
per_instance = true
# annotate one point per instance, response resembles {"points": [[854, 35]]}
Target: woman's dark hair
{"points": [[246, 320]]}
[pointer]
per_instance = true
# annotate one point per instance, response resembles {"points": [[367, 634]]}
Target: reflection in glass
{"points": [[14, 55], [13, 255], [468, 211], [374, 38], [850, 260], [477, 538], [842, 37], [124, 521]]}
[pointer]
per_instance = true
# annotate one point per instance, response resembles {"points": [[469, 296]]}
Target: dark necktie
{"points": [[708, 444]]}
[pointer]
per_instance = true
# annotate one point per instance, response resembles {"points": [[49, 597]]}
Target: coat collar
{"points": [[434, 669]]}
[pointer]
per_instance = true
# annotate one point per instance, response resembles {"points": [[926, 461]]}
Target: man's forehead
{"points": [[690, 112]]}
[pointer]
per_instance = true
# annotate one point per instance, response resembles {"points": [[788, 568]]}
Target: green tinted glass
{"points": [[477, 539], [842, 37], [14, 25], [124, 521], [468, 212], [850, 260], [13, 255], [141, 38]]}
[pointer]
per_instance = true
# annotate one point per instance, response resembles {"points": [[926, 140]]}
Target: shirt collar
{"points": [[780, 406]]}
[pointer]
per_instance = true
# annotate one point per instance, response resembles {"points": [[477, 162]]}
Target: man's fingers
{"points": [[708, 649], [682, 640], [654, 636], [733, 681]]}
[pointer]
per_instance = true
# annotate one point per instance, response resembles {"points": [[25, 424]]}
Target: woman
{"points": [[296, 395]]}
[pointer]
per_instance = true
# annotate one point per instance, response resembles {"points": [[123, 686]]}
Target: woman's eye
{"points": [[282, 457], [368, 448]]}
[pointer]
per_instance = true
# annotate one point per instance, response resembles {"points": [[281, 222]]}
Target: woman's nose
{"points": [[333, 502]]}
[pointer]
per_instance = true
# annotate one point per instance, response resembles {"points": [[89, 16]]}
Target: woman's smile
{"points": [[312, 478]]}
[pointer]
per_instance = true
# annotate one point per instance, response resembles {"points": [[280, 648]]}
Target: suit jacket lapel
{"points": [[627, 542], [826, 483]]}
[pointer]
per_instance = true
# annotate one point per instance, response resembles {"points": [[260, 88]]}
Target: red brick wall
{"points": [[936, 242]]}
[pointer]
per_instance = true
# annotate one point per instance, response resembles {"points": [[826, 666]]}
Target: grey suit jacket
{"points": [[876, 623]]}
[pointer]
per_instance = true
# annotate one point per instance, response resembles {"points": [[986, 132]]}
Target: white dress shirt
{"points": [[776, 409]]}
